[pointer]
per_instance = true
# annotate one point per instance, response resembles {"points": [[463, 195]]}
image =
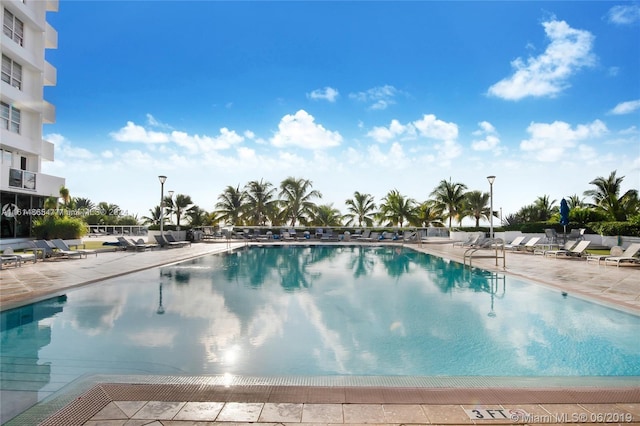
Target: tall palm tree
{"points": [[448, 197], [84, 203], [326, 215], [574, 201], [546, 207], [361, 208], [427, 214], [154, 218], [229, 208], [197, 216], [606, 197], [296, 195], [178, 205], [395, 209], [65, 196], [477, 205], [259, 202]]}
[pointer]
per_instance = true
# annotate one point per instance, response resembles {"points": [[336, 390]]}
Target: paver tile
{"points": [[160, 410], [200, 411], [322, 413], [281, 412], [240, 412], [363, 413], [404, 413]]}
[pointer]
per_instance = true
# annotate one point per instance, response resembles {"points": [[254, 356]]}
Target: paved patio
{"points": [[176, 401]]}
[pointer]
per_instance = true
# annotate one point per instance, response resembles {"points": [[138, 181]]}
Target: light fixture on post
{"points": [[162, 180], [491, 179]]}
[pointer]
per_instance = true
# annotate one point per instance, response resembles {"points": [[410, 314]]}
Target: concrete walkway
{"points": [[175, 402]]}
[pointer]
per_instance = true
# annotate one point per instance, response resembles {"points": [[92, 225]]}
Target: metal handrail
{"points": [[496, 244]]}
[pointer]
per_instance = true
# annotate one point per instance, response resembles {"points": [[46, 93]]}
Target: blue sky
{"points": [[355, 96]]}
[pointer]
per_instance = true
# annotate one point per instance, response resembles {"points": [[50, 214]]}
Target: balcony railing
{"points": [[22, 179]]}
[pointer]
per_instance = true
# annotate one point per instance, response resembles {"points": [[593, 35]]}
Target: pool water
{"points": [[313, 311]]}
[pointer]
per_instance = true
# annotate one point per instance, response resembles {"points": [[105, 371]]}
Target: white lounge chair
{"points": [[529, 246], [23, 256], [515, 243], [576, 251], [567, 246], [628, 256]]}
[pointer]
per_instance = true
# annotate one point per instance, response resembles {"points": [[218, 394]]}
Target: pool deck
{"points": [[202, 400]]}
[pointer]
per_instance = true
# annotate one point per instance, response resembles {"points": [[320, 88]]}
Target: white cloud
{"points": [[547, 74], [135, 133], [550, 142], [626, 107], [430, 127], [151, 121], [300, 130], [65, 149], [379, 97], [328, 93], [624, 15], [489, 141], [385, 134]]}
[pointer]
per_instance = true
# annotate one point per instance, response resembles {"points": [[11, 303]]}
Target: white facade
{"points": [[23, 110]]}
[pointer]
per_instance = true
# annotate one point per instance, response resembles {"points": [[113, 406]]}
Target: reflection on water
{"points": [[330, 310]]}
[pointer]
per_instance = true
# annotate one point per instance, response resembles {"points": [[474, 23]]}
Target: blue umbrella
{"points": [[564, 216]]}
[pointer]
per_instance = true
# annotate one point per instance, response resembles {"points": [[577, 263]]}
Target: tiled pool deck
{"points": [[182, 401]]}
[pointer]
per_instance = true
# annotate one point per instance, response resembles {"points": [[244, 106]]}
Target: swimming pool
{"points": [[315, 311]]}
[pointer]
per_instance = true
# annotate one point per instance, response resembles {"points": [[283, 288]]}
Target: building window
{"points": [[11, 72], [12, 27], [9, 118]]}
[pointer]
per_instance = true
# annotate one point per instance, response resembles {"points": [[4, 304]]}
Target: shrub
{"points": [[65, 227], [629, 229]]}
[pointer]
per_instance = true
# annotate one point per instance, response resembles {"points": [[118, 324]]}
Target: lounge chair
{"points": [[576, 251], [515, 243], [577, 234], [53, 251], [10, 258], [62, 246], [23, 256], [471, 241], [365, 236], [567, 246], [327, 235], [162, 242], [131, 245], [551, 235], [170, 239], [628, 256], [529, 246]]}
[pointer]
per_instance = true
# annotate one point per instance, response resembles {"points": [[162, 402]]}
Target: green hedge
{"points": [[66, 228], [628, 229]]}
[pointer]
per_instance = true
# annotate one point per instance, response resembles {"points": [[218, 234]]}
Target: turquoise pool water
{"points": [[274, 311]]}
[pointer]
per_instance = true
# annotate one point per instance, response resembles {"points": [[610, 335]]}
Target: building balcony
{"points": [[50, 74], [50, 37], [48, 113], [52, 5], [28, 182]]}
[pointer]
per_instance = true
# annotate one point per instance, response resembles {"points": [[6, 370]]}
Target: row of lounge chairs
{"points": [[571, 249], [44, 249]]}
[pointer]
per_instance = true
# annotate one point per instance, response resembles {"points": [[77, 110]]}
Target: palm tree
{"points": [[230, 206], [476, 205], [259, 202], [396, 208], [426, 214], [84, 203], [574, 201], [449, 199], [326, 215], [361, 208], [545, 207], [154, 218], [64, 195], [606, 199], [296, 195], [197, 216], [178, 206]]}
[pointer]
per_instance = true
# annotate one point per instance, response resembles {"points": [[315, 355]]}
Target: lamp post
{"points": [[162, 180], [491, 179]]}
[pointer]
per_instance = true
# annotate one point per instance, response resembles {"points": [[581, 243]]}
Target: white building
{"points": [[23, 110]]}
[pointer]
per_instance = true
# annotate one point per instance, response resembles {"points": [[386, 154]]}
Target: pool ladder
{"points": [[490, 249]]}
